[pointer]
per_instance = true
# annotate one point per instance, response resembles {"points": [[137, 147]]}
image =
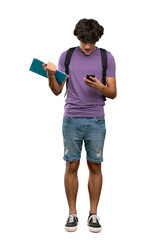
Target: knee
{"points": [[72, 167], [94, 168]]}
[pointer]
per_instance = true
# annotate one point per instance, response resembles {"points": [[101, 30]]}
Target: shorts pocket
{"points": [[100, 120], [67, 119]]}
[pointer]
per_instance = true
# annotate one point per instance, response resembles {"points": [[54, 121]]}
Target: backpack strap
{"points": [[104, 66], [67, 62], [68, 58]]}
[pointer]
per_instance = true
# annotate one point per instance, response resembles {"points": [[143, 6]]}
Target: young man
{"points": [[84, 115]]}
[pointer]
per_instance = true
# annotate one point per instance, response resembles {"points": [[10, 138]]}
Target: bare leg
{"points": [[94, 185], [71, 184]]}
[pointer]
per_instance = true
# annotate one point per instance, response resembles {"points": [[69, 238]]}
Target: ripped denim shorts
{"points": [[91, 130]]}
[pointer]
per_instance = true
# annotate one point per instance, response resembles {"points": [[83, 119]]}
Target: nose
{"points": [[87, 46]]}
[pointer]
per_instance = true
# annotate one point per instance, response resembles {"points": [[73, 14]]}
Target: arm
{"points": [[53, 84], [108, 91]]}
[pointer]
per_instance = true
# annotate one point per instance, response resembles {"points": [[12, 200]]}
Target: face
{"points": [[87, 48]]}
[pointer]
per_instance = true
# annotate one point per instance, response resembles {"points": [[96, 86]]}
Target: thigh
{"points": [[94, 139], [72, 139]]}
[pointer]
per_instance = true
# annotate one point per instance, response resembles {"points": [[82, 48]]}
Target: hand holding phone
{"points": [[88, 77]]}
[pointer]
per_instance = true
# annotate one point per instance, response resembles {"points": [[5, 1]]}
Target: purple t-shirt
{"points": [[82, 100]]}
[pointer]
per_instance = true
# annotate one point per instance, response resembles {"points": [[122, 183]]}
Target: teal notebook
{"points": [[37, 67]]}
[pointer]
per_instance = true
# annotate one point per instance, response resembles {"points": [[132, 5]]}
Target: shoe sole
{"points": [[95, 230], [71, 229]]}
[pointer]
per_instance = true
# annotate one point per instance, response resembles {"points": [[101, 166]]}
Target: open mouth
{"points": [[87, 50]]}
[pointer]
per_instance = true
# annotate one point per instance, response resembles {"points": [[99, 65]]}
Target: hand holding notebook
{"points": [[50, 68], [37, 67]]}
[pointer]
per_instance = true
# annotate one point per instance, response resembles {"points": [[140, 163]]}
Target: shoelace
{"points": [[95, 218], [71, 217]]}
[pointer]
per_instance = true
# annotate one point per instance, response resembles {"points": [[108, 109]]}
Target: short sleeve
{"points": [[61, 62], [111, 66]]}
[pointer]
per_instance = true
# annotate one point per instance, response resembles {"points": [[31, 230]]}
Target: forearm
{"points": [[108, 92], [54, 85]]}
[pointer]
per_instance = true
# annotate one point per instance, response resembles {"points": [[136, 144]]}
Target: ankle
{"points": [[73, 212], [90, 214]]}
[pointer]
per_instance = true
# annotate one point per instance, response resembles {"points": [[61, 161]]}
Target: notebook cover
{"points": [[37, 67]]}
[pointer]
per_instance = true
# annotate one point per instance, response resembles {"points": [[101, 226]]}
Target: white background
{"points": [[32, 198]]}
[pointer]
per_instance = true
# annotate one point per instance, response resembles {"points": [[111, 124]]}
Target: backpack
{"points": [[104, 65]]}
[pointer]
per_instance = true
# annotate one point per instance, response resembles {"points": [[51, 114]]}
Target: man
{"points": [[84, 115]]}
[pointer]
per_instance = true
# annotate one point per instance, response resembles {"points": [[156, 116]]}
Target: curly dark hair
{"points": [[88, 30]]}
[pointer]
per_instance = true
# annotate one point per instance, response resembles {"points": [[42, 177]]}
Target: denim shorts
{"points": [[91, 130]]}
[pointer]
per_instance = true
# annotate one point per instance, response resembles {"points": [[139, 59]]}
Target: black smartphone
{"points": [[88, 77]]}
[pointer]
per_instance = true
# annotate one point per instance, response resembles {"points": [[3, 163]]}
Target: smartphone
{"points": [[88, 77]]}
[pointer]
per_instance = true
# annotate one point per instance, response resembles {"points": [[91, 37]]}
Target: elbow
{"points": [[114, 95], [54, 91], [57, 93]]}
